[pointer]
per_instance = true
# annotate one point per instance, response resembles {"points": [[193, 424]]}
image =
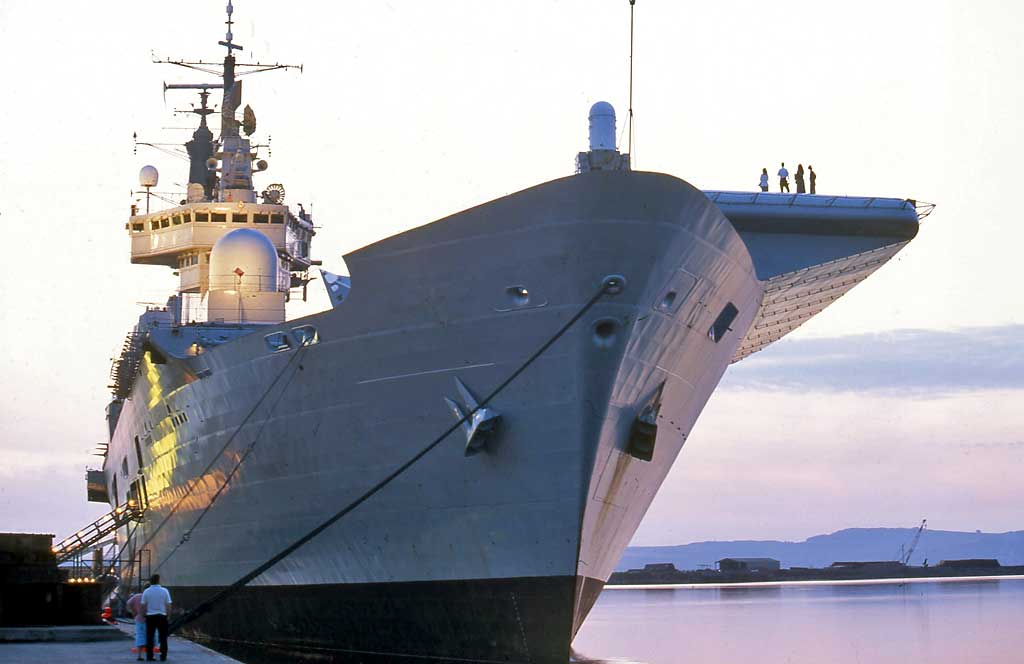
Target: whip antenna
{"points": [[632, 5]]}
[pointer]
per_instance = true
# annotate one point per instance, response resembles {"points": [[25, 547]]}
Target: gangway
{"points": [[74, 544]]}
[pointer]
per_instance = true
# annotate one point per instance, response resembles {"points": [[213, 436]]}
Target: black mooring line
{"points": [[238, 464], [216, 458], [610, 285]]}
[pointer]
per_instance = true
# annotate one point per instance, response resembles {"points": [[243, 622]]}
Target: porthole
{"points": [[667, 301]]}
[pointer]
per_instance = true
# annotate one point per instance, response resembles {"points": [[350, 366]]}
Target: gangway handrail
{"points": [[85, 537]]}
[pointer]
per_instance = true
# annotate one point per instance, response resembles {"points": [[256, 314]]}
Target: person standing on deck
{"points": [[799, 177], [783, 179], [814, 179], [156, 603], [135, 606], [764, 179]]}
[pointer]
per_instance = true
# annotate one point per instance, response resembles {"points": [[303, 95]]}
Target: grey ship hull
{"points": [[492, 557]]}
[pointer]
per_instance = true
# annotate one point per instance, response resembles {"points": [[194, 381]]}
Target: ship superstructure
{"points": [[222, 198], [236, 432]]}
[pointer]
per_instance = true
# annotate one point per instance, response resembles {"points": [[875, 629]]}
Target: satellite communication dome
{"points": [[148, 176], [244, 260], [602, 126]]}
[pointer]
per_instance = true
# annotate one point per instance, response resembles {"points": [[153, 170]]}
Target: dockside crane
{"points": [[905, 554]]}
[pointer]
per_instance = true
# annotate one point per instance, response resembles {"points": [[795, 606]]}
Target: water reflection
{"points": [[727, 593], [940, 621]]}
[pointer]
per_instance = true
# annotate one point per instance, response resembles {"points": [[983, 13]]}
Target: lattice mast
{"points": [[221, 199], [232, 150]]}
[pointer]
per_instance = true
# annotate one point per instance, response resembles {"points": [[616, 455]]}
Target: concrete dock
{"points": [[92, 645]]}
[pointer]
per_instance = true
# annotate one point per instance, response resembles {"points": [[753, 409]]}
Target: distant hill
{"points": [[849, 544]]}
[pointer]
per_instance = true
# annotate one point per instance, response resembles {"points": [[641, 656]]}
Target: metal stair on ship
{"points": [[81, 540]]}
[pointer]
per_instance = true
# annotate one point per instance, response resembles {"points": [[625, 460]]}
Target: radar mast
{"points": [[231, 155], [221, 210]]}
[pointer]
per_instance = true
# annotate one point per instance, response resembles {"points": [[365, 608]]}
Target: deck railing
{"points": [[818, 201]]}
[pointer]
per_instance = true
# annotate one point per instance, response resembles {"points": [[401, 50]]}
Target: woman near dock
{"points": [[135, 606]]}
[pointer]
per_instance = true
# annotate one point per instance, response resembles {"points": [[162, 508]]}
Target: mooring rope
{"points": [[195, 480], [609, 285], [238, 464]]}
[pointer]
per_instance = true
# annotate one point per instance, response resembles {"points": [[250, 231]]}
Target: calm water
{"points": [[940, 621]]}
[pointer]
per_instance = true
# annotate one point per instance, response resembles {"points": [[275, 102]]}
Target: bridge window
{"points": [[177, 220], [186, 217], [721, 325], [218, 217], [260, 219], [138, 228], [240, 218], [277, 218], [154, 225], [202, 217], [277, 342], [306, 335], [165, 222]]}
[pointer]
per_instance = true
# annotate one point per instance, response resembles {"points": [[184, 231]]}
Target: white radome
{"points": [[244, 259], [602, 126], [149, 176]]}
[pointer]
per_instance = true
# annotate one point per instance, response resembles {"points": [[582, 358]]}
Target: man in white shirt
{"points": [[783, 179], [156, 604]]}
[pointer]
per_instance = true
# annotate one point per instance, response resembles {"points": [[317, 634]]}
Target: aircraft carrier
{"points": [[614, 299]]}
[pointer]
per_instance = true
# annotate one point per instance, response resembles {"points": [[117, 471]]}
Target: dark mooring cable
{"points": [[195, 480], [238, 464], [611, 285]]}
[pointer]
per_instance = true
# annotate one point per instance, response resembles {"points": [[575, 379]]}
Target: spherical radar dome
{"points": [[244, 259], [148, 176]]}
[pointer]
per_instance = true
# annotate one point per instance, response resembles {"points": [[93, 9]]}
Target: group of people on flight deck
{"points": [[799, 177]]}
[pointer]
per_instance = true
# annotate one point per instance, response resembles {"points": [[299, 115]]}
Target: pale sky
{"points": [[408, 111]]}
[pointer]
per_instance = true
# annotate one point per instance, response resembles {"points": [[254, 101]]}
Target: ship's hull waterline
{"points": [[495, 556]]}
